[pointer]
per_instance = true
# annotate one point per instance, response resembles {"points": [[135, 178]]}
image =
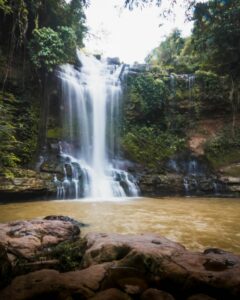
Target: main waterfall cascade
{"points": [[90, 115]]}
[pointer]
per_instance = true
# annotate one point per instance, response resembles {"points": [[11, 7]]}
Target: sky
{"points": [[115, 31]]}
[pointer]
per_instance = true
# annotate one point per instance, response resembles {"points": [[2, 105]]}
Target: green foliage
{"points": [[149, 146], [69, 255], [50, 48], [45, 33], [18, 133], [53, 28], [76, 19], [69, 39], [55, 133], [175, 54], [216, 39], [146, 97], [26, 130], [5, 7], [54, 13], [212, 90], [224, 148], [7, 133], [154, 126], [131, 3], [166, 55], [216, 35]]}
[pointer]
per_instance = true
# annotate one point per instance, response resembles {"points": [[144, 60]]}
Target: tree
{"points": [[216, 35], [216, 38], [131, 3], [46, 49], [168, 9], [167, 53], [146, 99], [76, 19], [23, 22]]}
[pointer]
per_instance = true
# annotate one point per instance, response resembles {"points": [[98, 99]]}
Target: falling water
{"points": [[91, 104], [191, 81]]}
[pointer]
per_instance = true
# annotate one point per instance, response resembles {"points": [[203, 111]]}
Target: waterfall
{"points": [[90, 114], [191, 82]]}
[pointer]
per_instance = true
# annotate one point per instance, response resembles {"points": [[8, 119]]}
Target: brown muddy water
{"points": [[197, 223]]}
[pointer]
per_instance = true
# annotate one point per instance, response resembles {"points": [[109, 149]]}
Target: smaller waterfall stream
{"points": [[91, 108]]}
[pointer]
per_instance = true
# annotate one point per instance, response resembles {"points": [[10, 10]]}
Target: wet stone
{"points": [[154, 294]]}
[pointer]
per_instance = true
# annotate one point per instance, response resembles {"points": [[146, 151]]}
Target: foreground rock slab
{"points": [[142, 261], [51, 283], [113, 266], [24, 239]]}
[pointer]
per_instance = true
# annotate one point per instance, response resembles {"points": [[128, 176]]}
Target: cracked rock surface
{"points": [[108, 266]]}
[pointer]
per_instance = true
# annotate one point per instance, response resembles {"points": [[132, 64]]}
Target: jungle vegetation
{"points": [[38, 35], [155, 108], [158, 111]]}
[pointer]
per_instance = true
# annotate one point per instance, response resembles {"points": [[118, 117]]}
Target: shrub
{"points": [[49, 48], [151, 147]]}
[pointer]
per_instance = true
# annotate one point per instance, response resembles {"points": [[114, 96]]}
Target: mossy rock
{"points": [[69, 255], [54, 133], [51, 167], [224, 159], [231, 170]]}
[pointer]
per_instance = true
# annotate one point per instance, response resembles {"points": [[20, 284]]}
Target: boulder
{"points": [[200, 297], [113, 61], [50, 284], [155, 294], [102, 247], [112, 266], [142, 261], [111, 294], [25, 239]]}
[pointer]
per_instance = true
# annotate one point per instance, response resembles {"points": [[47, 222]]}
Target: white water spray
{"points": [[91, 100]]}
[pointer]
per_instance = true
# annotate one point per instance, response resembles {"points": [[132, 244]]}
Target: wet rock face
{"points": [[179, 184], [159, 184], [111, 266], [232, 183], [27, 183], [113, 61]]}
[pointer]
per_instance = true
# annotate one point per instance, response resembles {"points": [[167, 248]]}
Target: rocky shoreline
{"points": [[49, 259], [29, 184]]}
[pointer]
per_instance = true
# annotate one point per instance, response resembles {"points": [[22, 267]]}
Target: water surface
{"points": [[197, 223]]}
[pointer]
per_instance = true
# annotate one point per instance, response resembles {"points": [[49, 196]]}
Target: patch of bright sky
{"points": [[115, 31], [130, 35]]}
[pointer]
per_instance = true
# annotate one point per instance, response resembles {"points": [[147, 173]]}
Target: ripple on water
{"points": [[197, 223]]}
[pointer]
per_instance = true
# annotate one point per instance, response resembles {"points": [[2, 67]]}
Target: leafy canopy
{"points": [[49, 48], [216, 35]]}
